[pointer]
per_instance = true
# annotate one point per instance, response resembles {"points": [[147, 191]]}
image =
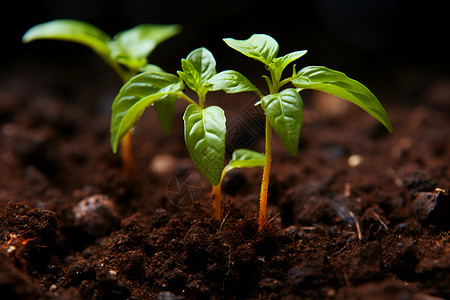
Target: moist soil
{"points": [[358, 214]]}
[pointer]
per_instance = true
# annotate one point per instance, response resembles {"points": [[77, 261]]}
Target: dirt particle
{"points": [[96, 215]]}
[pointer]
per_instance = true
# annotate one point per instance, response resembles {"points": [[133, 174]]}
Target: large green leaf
{"points": [[259, 46], [132, 47], [73, 31], [135, 96], [198, 67], [244, 158], [231, 82], [284, 111], [204, 133], [338, 84]]}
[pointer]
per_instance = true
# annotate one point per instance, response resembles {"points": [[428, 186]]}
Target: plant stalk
{"points": [[127, 155], [126, 142], [216, 202], [266, 175]]}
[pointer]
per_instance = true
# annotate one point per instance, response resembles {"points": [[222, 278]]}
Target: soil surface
{"points": [[358, 214]]}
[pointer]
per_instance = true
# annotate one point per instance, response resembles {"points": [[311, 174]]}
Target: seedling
{"points": [[204, 127], [241, 158], [283, 107], [126, 52]]}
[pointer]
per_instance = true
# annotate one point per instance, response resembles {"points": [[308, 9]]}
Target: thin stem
{"points": [[127, 156], [126, 142], [266, 175], [217, 198], [216, 202], [201, 99], [285, 81], [186, 98]]}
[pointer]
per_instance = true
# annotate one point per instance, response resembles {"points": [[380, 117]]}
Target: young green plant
{"points": [[283, 107], [241, 158], [204, 127], [126, 52]]}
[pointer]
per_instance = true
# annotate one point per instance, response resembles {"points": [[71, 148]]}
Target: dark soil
{"points": [[358, 214]]}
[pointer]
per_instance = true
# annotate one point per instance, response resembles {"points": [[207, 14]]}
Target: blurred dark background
{"points": [[368, 40]]}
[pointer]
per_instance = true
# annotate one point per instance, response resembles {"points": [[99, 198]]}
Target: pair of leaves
{"points": [[265, 49], [198, 67], [284, 109], [129, 48]]}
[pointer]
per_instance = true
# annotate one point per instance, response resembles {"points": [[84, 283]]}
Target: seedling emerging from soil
{"points": [[204, 127], [126, 52], [283, 107], [241, 158]]}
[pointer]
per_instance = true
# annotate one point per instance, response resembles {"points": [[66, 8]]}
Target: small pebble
{"points": [[97, 215], [354, 160]]}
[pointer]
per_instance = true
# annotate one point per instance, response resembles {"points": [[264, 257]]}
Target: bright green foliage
{"points": [[284, 109], [231, 82], [284, 112], [132, 47], [136, 95], [204, 127], [204, 133], [73, 31], [338, 84], [244, 158], [258, 46], [127, 54], [198, 67], [128, 48]]}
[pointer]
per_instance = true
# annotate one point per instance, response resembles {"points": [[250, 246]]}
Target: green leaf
{"points": [[284, 111], [198, 67], [164, 110], [150, 68], [73, 31], [204, 133], [132, 47], [244, 158], [259, 46], [135, 96], [190, 75], [280, 63], [338, 84], [231, 82]]}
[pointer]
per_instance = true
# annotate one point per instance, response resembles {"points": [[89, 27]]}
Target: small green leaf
{"points": [[132, 47], [231, 82], [164, 110], [280, 63], [204, 133], [198, 67], [244, 158], [338, 84], [72, 31], [259, 46], [284, 111], [204, 62], [135, 96], [190, 75]]}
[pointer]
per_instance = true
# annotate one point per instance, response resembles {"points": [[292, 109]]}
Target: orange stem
{"points": [[266, 175], [127, 156]]}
